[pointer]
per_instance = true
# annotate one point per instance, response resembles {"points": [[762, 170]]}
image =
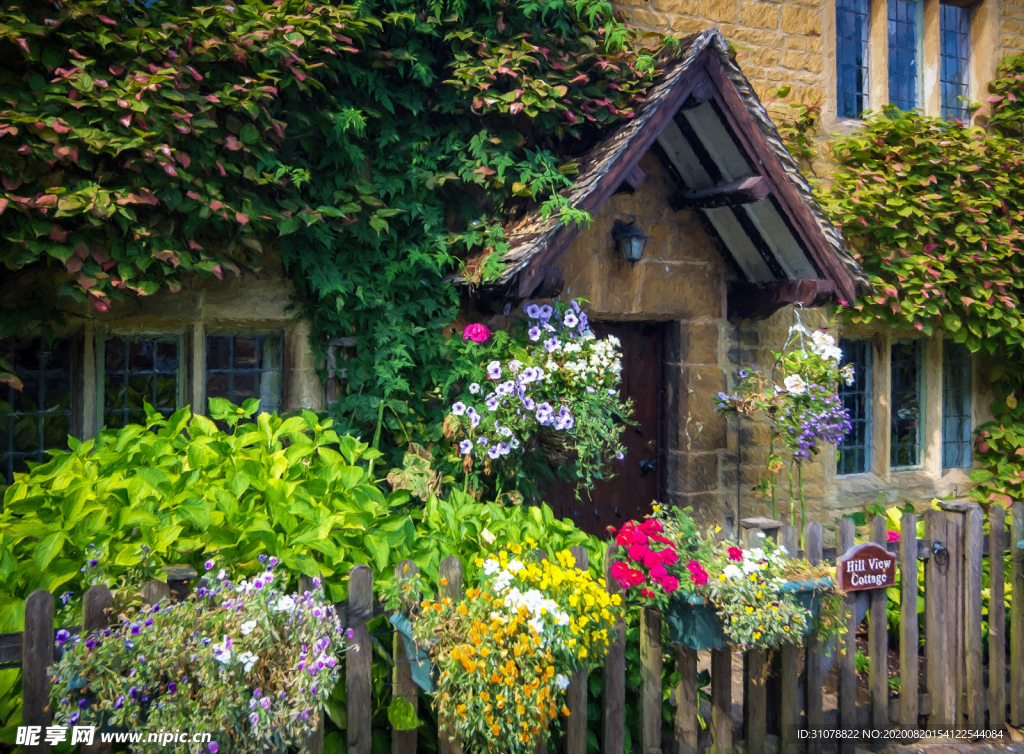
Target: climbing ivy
{"points": [[374, 148], [934, 211]]}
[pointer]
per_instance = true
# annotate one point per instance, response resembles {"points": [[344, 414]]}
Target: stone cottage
{"points": [[735, 246]]}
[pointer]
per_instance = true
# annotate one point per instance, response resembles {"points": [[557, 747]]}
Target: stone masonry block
{"points": [[718, 11], [802, 61], [752, 37], [680, 289], [698, 342], [695, 472], [759, 16], [800, 21]]}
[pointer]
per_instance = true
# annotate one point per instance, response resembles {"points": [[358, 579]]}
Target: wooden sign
{"points": [[866, 566]]}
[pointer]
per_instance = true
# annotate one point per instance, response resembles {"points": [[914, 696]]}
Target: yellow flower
{"points": [[749, 609]]}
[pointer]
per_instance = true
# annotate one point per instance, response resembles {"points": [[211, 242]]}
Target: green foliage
{"points": [[373, 148], [181, 488], [798, 124], [934, 210]]}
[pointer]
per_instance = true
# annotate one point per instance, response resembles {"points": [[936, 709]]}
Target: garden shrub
{"points": [[249, 662]]}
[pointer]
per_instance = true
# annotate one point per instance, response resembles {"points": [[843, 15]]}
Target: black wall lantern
{"points": [[630, 239]]}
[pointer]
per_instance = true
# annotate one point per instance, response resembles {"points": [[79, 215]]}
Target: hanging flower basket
{"points": [[695, 624], [419, 661]]}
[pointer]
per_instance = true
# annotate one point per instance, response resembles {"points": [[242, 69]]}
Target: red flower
{"points": [[693, 566], [626, 575], [735, 553], [658, 573], [661, 539], [892, 536], [638, 552], [651, 526], [668, 556], [699, 577], [476, 332], [630, 535], [651, 559], [646, 592]]}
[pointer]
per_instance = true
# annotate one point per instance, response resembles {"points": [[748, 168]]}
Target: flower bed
{"points": [[714, 592], [249, 661], [503, 655]]}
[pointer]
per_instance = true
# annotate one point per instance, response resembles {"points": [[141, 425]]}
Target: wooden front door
{"points": [[636, 483]]}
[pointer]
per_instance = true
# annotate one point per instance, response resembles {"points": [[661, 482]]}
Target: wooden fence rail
{"points": [[961, 689]]}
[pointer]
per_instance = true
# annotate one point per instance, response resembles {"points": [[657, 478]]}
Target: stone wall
{"points": [[1011, 27]]}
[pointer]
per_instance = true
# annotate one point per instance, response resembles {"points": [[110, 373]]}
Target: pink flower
{"points": [[652, 560], [629, 535], [476, 332], [736, 554], [693, 566], [627, 576], [699, 577], [668, 556], [892, 536], [651, 526], [658, 572], [669, 583]]}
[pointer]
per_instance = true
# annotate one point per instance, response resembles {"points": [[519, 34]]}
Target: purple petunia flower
{"points": [[66, 597], [213, 747], [532, 311], [493, 451], [350, 633], [474, 388], [172, 687], [494, 370], [254, 718], [63, 636], [119, 702], [459, 408], [503, 448], [545, 312], [74, 718], [491, 403], [466, 447], [552, 344], [534, 333], [265, 702], [570, 320], [208, 565]]}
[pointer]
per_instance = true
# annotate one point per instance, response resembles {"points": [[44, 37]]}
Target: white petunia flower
{"points": [[795, 384], [491, 566], [562, 682], [247, 627]]}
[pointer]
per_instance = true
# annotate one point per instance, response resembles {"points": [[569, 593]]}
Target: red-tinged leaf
{"points": [[170, 170], [193, 195], [46, 200], [23, 44], [126, 120], [484, 170], [58, 234], [10, 183], [216, 205], [107, 20], [11, 380], [174, 286], [233, 144], [220, 167], [516, 107], [967, 300], [4, 201], [183, 159], [101, 305], [218, 272], [242, 218], [73, 265], [81, 251], [194, 246], [86, 283]]}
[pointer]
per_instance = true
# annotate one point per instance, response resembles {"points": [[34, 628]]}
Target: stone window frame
{"points": [[244, 332], [984, 57], [930, 474]]}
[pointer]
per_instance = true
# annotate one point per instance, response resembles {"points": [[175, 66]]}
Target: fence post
{"points": [[1016, 615], [315, 741], [909, 650], [614, 724], [155, 591], [721, 700], [845, 539], [996, 618], [37, 656], [451, 575], [789, 683], [815, 677], [973, 671], [687, 703], [404, 741], [359, 661], [576, 694], [755, 667], [878, 643], [96, 603], [955, 608], [935, 636], [650, 693]]}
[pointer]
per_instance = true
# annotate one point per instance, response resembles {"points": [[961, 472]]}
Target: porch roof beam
{"points": [[736, 193]]}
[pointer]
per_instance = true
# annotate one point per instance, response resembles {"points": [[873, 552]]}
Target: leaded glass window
{"points": [[239, 367], [38, 416], [136, 371], [907, 410], [852, 57], [955, 31], [854, 452], [956, 405], [903, 51]]}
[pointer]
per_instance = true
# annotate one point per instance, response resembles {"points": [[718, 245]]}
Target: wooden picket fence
{"points": [[960, 693]]}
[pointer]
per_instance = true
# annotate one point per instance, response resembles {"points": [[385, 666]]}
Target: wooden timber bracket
{"points": [[757, 301]]}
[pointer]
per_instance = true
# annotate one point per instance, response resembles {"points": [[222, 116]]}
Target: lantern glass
{"points": [[630, 240]]}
